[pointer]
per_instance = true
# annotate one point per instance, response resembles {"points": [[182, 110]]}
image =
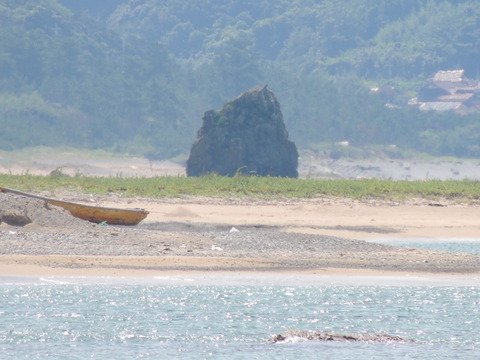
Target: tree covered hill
{"points": [[374, 39], [136, 76]]}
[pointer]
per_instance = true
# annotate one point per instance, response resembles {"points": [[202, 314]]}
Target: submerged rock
{"points": [[295, 335], [247, 136]]}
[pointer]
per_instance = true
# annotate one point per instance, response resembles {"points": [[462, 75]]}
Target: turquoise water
{"points": [[456, 245], [75, 318]]}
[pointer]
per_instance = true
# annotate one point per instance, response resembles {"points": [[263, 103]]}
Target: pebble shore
{"points": [[54, 231]]}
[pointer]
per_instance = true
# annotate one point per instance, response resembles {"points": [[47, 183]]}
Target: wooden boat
{"points": [[96, 214]]}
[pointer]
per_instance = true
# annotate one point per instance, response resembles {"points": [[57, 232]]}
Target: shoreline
{"points": [[140, 267], [45, 160], [324, 277]]}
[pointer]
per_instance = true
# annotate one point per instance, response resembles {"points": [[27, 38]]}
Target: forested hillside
{"points": [[136, 76]]}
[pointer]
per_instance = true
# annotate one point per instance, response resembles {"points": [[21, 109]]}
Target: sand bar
{"points": [[321, 237]]}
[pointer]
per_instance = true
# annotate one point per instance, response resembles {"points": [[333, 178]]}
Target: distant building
{"points": [[450, 90]]}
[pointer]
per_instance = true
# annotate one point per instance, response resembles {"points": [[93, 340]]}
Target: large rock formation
{"points": [[247, 136]]}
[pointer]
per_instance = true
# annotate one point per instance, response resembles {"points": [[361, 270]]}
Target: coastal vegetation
{"points": [[272, 188], [137, 76]]}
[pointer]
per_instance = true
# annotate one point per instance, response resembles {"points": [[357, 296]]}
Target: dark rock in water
{"points": [[247, 136], [15, 218], [291, 335]]}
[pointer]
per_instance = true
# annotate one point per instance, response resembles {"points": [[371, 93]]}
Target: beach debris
{"points": [[292, 336], [15, 217], [234, 229], [217, 248], [31, 210]]}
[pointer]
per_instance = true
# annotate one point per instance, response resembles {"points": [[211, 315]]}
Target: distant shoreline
{"points": [[44, 160]]}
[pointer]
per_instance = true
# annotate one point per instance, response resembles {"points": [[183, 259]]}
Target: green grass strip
{"points": [[244, 186]]}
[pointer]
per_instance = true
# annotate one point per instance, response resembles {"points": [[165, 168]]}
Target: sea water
{"points": [[471, 246], [233, 317]]}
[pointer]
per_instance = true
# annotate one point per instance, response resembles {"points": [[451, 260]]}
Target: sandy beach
{"points": [[324, 236]]}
